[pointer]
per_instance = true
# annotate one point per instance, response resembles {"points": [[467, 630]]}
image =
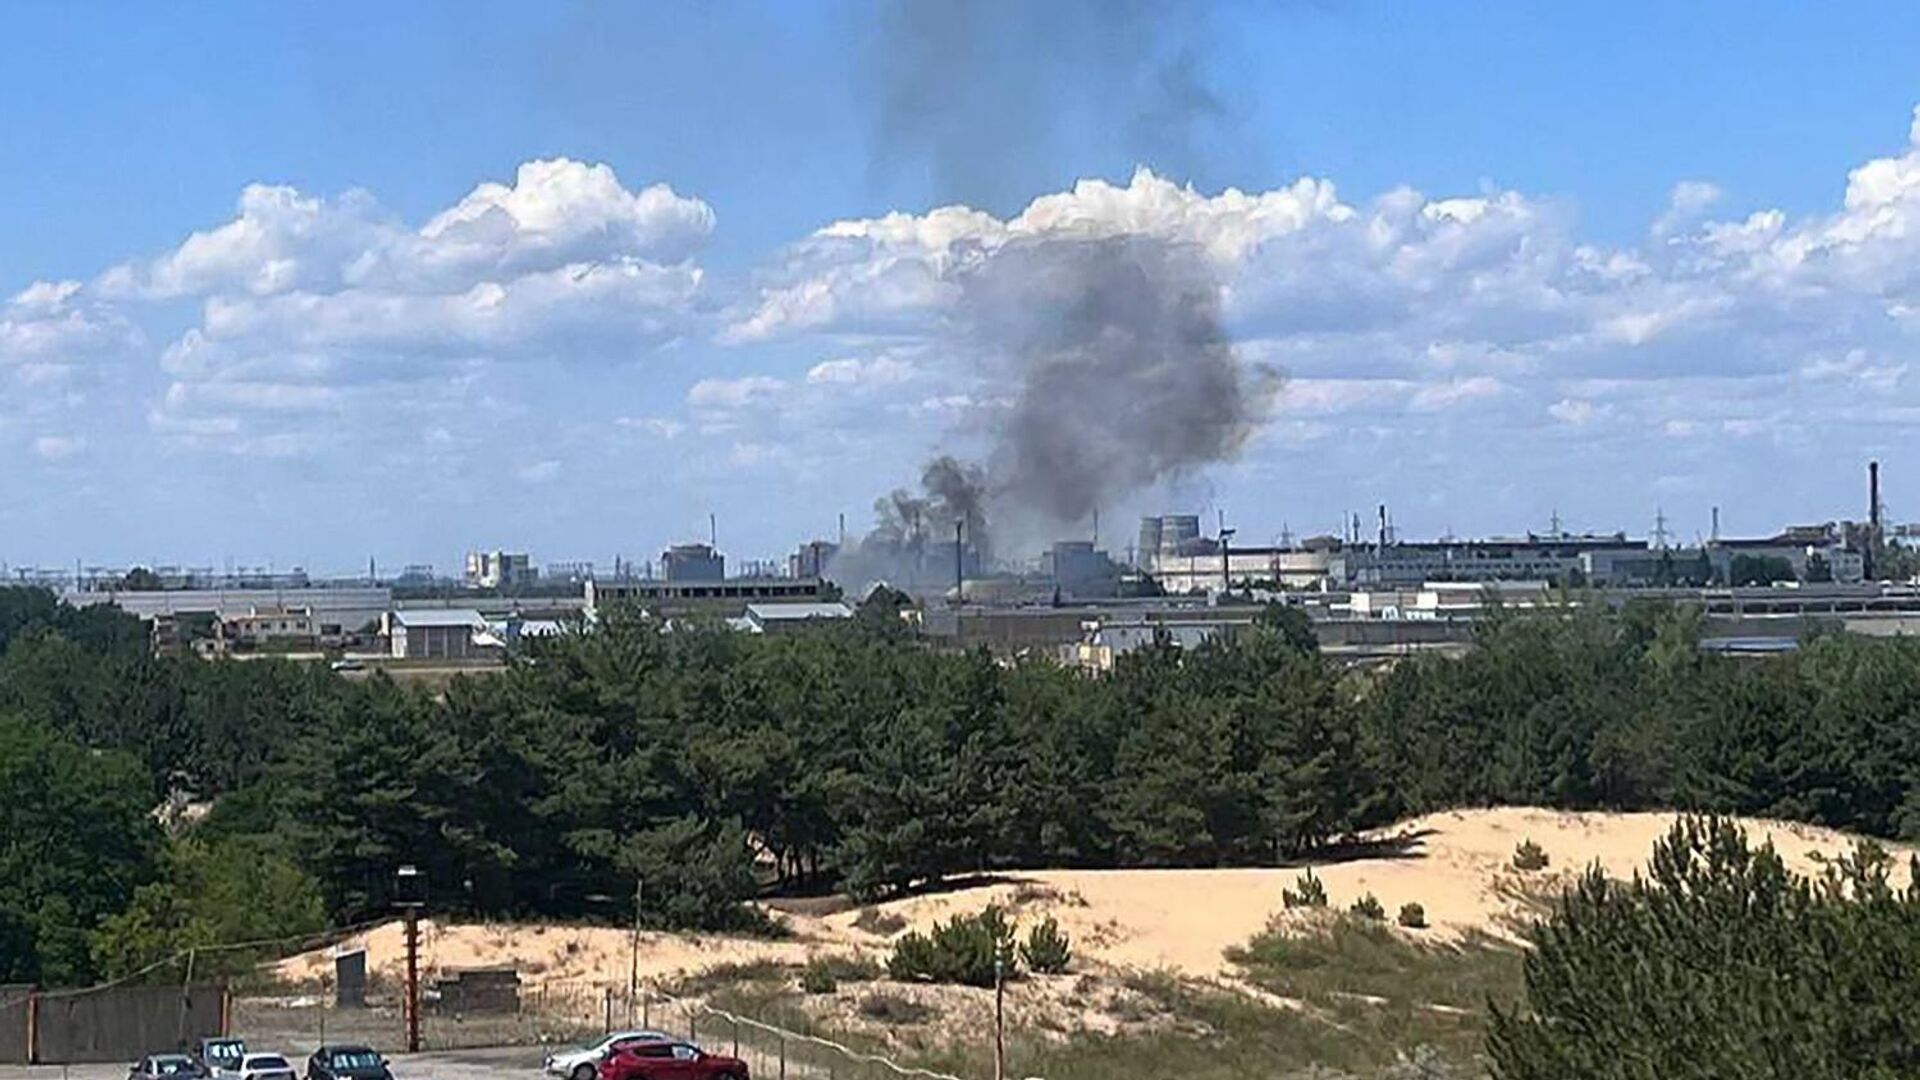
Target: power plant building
{"points": [[693, 562]]}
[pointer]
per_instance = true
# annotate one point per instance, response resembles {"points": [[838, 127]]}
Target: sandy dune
{"points": [[1457, 866]]}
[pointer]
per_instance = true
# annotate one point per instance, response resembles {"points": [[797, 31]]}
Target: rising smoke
{"points": [[984, 98], [1119, 372]]}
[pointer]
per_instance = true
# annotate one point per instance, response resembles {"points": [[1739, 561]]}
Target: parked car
{"points": [[669, 1061], [347, 1063], [265, 1067], [584, 1064], [167, 1067], [220, 1057]]}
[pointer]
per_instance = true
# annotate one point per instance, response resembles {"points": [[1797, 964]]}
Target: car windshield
{"points": [[170, 1065], [355, 1059], [267, 1061], [224, 1051]]}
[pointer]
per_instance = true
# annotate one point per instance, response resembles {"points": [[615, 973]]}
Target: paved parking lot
{"points": [[505, 1063]]}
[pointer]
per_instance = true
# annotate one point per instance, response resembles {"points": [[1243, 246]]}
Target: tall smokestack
{"points": [[1873, 498], [959, 561], [1873, 517]]}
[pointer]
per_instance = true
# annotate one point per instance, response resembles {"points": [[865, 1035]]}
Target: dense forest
{"points": [[715, 765]]}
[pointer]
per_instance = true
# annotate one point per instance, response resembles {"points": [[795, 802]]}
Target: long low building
{"points": [[727, 597], [333, 611]]}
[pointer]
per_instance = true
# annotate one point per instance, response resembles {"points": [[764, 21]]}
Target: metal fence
{"points": [[109, 1023], [560, 1014]]}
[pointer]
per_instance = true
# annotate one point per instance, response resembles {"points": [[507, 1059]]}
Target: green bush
{"points": [[817, 978], [1529, 856], [1309, 892], [961, 950], [1720, 961], [1047, 950], [1369, 908], [1413, 916]]}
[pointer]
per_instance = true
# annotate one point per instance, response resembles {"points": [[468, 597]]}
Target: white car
{"points": [[585, 1064], [265, 1067]]}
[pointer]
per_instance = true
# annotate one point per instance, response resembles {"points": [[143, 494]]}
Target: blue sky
{"points": [[1580, 302]]}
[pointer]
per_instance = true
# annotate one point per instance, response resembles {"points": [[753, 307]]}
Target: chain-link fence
{"points": [[553, 1015]]}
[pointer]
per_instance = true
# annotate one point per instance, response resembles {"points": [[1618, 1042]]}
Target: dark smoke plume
{"points": [[1122, 374], [1126, 375], [1123, 377], [986, 96], [913, 535]]}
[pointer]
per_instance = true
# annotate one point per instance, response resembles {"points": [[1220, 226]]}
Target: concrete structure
{"points": [[1447, 599], [445, 634], [334, 611], [1198, 570], [784, 618], [1555, 557], [693, 562], [811, 559], [1103, 643], [464, 991], [1800, 547], [728, 597], [1079, 569], [499, 569], [262, 626], [113, 1024]]}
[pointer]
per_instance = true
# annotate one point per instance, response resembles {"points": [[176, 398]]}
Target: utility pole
{"points": [[633, 966], [412, 897], [959, 562], [999, 1014]]}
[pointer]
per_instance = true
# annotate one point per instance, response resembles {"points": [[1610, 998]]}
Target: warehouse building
{"points": [[439, 634]]}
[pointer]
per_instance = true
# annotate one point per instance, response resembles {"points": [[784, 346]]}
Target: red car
{"points": [[669, 1061]]}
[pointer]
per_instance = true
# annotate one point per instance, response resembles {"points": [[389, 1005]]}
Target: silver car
{"points": [[584, 1064]]}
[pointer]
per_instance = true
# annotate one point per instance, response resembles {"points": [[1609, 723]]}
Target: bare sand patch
{"points": [[1456, 864]]}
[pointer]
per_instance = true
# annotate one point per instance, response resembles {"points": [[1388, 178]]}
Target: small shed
{"points": [[478, 990]]}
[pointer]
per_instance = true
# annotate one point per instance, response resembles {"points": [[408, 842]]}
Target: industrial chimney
{"points": [[1873, 499], [1873, 518]]}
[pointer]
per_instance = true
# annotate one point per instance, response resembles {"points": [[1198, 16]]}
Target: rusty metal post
{"points": [[413, 979]]}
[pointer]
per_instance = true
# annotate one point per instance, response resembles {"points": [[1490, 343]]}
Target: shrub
{"points": [[962, 950], [1413, 916], [1309, 891], [893, 1009], [817, 978], [1047, 951], [1529, 856], [876, 921], [849, 969], [1718, 961], [1367, 907]]}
